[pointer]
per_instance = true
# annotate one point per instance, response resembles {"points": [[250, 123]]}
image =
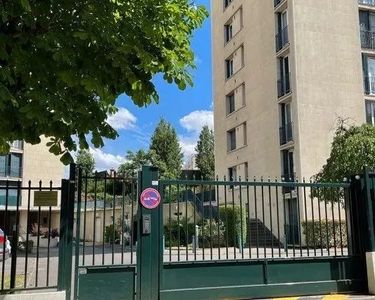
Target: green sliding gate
{"points": [[220, 239]]}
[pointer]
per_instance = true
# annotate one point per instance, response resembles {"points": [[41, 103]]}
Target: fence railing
{"points": [[255, 220], [29, 255], [367, 2], [367, 39], [106, 211]]}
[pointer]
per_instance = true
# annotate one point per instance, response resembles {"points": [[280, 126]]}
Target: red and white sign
{"points": [[150, 198]]}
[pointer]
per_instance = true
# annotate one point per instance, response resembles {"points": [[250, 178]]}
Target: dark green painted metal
{"points": [[369, 211], [114, 282], [78, 231], [66, 234], [262, 278], [149, 246]]}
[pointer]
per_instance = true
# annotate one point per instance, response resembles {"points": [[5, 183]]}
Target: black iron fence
{"points": [[30, 221], [255, 220]]}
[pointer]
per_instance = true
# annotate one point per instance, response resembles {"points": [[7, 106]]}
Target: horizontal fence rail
{"points": [[29, 244], [106, 211], [251, 220]]}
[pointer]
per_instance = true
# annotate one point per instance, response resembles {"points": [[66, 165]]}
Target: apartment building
{"points": [[284, 72], [28, 163]]}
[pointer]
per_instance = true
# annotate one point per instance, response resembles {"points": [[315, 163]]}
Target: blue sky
{"points": [[186, 110]]}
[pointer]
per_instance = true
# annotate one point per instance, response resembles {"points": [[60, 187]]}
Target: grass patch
{"points": [[19, 281]]}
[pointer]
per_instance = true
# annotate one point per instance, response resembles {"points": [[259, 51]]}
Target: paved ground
{"points": [[330, 297], [45, 268]]}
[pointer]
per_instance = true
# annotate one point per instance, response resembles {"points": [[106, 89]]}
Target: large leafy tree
{"points": [[205, 157], [165, 150], [86, 161], [353, 148], [63, 64], [134, 162]]}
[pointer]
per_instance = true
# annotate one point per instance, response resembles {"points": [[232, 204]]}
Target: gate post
{"points": [[149, 239], [64, 281]]}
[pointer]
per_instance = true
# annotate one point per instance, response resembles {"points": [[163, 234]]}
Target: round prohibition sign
{"points": [[150, 198]]}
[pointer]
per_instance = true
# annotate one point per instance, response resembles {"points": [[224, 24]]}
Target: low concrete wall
{"points": [[35, 296]]}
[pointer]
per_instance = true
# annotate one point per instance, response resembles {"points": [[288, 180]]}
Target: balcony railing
{"points": [[282, 38], [366, 2], [286, 133], [283, 85], [369, 85], [11, 172], [368, 39]]}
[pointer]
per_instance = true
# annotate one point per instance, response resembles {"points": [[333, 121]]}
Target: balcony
{"points": [[364, 2], [369, 85], [286, 133], [368, 39], [282, 38], [283, 86], [6, 171]]}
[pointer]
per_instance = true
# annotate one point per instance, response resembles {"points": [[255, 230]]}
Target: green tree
{"points": [[165, 150], [353, 148], [86, 161], [64, 63], [135, 161], [205, 157]]}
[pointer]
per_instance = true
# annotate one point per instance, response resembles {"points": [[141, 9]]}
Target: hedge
{"points": [[231, 218], [323, 233]]}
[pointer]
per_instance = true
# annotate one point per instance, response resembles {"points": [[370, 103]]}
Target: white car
{"points": [[8, 248]]}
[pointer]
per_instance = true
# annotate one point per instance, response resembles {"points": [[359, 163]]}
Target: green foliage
{"points": [[234, 220], [176, 233], [165, 150], [64, 63], [321, 234], [205, 158], [111, 234], [353, 148], [135, 161], [212, 234], [86, 161]]}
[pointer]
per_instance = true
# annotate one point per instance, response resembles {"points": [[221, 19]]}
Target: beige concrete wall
{"points": [[327, 75], [259, 73]]}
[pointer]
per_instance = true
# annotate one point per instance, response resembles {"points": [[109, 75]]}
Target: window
{"points": [[227, 2], [287, 165], [231, 106], [228, 32], [282, 37], [11, 165], [283, 83], [286, 127], [17, 145], [232, 174], [9, 198], [231, 136], [370, 112], [229, 68]]}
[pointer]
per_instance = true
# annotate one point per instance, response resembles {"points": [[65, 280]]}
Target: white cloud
{"points": [[188, 145], [106, 161], [194, 121], [122, 119]]}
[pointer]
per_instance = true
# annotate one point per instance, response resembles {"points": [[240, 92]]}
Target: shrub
{"points": [[211, 234], [231, 218], [323, 233], [175, 229], [111, 235]]}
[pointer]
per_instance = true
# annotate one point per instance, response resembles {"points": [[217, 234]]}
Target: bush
{"points": [[231, 218], [110, 233], [173, 229], [316, 233], [212, 234], [24, 246]]}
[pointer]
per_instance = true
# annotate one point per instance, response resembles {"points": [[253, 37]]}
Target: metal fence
{"points": [[32, 231], [106, 224], [226, 220]]}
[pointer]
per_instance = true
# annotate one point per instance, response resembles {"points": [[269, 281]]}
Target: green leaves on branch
{"points": [[64, 63]]}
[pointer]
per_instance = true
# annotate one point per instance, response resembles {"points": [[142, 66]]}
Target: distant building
{"points": [[26, 163]]}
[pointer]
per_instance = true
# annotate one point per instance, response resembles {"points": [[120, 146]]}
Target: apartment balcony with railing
{"points": [[282, 39], [6, 171], [286, 133], [368, 39], [366, 2], [369, 85], [283, 85]]}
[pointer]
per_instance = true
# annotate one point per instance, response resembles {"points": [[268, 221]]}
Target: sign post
{"points": [[149, 255]]}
